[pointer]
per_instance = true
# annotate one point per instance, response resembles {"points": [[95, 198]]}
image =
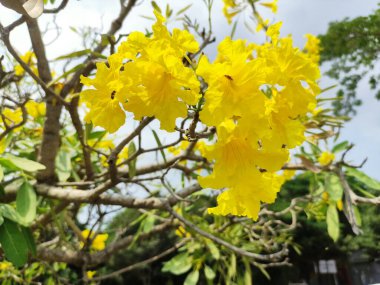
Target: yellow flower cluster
{"points": [[256, 102], [256, 97], [146, 77], [98, 242], [30, 59]]}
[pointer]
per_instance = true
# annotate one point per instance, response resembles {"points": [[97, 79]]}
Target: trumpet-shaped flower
{"points": [[104, 99]]}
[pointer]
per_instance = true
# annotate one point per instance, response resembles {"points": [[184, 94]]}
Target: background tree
{"points": [[351, 46]]}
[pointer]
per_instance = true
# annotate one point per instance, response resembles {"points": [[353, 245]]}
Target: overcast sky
{"points": [[299, 17]]}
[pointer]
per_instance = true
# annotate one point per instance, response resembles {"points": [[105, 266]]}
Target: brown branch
{"points": [[83, 196], [50, 138], [143, 262], [256, 256], [79, 258]]}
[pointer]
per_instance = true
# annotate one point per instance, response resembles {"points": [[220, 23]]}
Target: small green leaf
{"points": [[334, 187], [332, 220], [179, 264], [96, 135], [107, 39], [340, 147], [65, 74], [213, 250], [183, 10], [26, 203], [7, 211], [13, 242], [24, 164], [209, 273], [364, 178], [148, 223], [156, 7], [192, 278], [74, 54], [132, 163], [63, 165], [156, 137], [358, 216], [1, 173], [232, 266]]}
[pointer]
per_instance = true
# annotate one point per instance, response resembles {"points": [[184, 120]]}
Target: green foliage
{"points": [[17, 242], [352, 46]]}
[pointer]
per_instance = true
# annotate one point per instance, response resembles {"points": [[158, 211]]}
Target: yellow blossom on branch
{"points": [[326, 158], [98, 242]]}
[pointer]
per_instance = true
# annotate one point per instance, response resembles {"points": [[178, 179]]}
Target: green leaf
{"points": [[263, 271], [332, 220], [65, 74], [26, 203], [132, 163], [24, 164], [13, 242], [334, 187], [156, 137], [192, 278], [7, 211], [232, 266], [107, 39], [148, 223], [63, 165], [179, 264], [213, 250], [247, 272], [1, 173], [364, 178], [29, 240], [96, 135], [74, 54], [184, 9], [357, 214], [155, 6], [209, 273], [340, 147]]}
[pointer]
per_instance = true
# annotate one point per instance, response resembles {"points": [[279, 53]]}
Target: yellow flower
{"points": [[326, 158], [271, 5], [98, 242], [30, 59], [104, 101], [178, 149], [36, 110], [261, 24], [230, 9], [90, 274], [325, 196], [165, 87], [312, 47], [233, 83], [5, 265], [181, 232], [156, 82], [339, 205], [12, 117]]}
